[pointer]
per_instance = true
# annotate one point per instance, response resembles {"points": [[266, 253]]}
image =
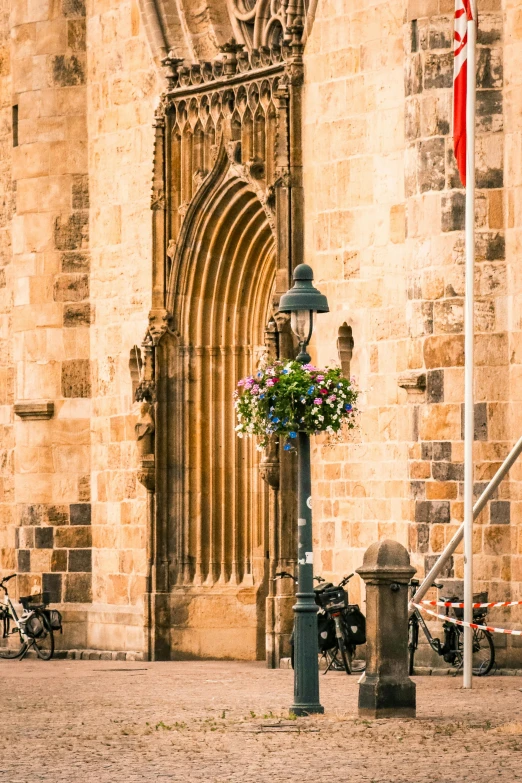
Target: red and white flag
{"points": [[463, 14]]}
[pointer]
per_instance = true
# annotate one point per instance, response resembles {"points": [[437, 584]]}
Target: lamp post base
{"points": [[303, 710]]}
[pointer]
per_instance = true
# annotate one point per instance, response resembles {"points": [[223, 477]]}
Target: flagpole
{"points": [[469, 332]]}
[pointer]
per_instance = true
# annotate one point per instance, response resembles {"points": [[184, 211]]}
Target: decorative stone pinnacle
{"points": [[172, 65], [231, 49]]}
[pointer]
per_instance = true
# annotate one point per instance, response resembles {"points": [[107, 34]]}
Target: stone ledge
{"points": [[101, 655], [32, 410], [413, 381]]}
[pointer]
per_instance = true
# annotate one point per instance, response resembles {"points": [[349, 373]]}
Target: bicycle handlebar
{"points": [[6, 579], [284, 575]]}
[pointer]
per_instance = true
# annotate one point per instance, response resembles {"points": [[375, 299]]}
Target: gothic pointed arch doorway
{"points": [[227, 201], [219, 296]]}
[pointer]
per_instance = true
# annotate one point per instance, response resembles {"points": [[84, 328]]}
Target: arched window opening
{"points": [[345, 345]]}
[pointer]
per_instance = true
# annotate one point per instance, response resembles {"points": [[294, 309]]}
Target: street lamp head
{"points": [[302, 302], [303, 295]]}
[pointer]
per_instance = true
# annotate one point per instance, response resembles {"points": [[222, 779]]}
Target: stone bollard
{"points": [[386, 691]]}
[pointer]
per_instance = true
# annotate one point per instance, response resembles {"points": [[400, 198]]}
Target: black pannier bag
{"points": [[55, 619], [326, 631], [478, 598], [355, 624]]}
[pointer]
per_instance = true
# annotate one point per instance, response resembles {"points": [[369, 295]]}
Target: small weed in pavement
{"points": [[163, 726]]}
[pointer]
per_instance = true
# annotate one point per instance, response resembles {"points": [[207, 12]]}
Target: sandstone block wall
{"points": [[7, 194], [78, 86], [386, 224], [356, 223], [123, 92], [79, 157], [51, 302]]}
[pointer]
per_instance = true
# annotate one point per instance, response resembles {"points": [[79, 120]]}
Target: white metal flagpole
{"points": [[469, 331]]}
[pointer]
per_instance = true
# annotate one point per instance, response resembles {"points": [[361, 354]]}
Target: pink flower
{"points": [[241, 382], [270, 382], [318, 401], [320, 378]]}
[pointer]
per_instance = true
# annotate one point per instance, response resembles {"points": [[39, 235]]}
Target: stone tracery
{"points": [[258, 22]]}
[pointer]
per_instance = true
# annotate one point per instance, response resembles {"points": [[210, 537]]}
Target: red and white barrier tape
{"points": [[470, 625], [475, 606]]}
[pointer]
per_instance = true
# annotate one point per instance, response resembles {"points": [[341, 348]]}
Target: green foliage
{"points": [[283, 399]]}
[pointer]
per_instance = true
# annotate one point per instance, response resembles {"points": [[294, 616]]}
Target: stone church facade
{"points": [[165, 164]]}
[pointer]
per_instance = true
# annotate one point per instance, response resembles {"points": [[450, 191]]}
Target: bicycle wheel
{"points": [[357, 665], [413, 641], [8, 652], [343, 648], [483, 652], [44, 642]]}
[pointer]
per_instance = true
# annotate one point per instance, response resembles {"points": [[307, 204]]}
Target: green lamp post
{"points": [[303, 301]]}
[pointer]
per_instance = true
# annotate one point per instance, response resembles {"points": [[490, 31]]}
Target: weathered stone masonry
{"points": [[83, 264], [51, 313]]}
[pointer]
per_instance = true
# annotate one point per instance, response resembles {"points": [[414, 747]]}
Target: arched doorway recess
{"points": [[227, 216]]}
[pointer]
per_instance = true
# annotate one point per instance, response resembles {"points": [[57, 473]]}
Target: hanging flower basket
{"points": [[285, 398]]}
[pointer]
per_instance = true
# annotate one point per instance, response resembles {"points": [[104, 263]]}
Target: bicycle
{"points": [[34, 628], [341, 626], [452, 650]]}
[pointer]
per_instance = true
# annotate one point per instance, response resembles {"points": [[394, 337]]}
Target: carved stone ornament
{"points": [[158, 200], [147, 473], [146, 392], [159, 324], [199, 177], [171, 249], [144, 429], [270, 472], [282, 321]]}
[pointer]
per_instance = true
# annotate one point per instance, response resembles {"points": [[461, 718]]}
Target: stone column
{"points": [[386, 690]]}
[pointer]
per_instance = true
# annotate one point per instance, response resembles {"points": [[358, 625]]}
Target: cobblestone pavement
{"points": [[220, 722]]}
